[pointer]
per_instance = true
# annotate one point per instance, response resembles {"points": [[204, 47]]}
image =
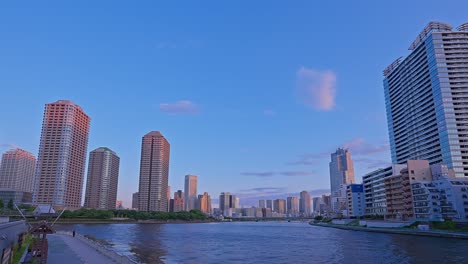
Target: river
{"points": [[269, 242]]}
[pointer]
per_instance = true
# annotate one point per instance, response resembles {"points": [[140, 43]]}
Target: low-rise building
{"points": [[18, 197], [398, 190], [356, 200], [374, 189]]}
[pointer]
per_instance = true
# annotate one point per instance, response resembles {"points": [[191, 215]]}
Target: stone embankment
{"points": [[400, 231]]}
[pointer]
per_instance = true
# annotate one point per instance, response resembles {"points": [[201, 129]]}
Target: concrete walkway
{"points": [[70, 250]]}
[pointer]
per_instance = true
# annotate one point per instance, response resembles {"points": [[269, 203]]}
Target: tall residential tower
{"points": [[17, 170], [154, 173], [190, 191], [305, 206], [103, 178], [426, 99], [62, 155]]}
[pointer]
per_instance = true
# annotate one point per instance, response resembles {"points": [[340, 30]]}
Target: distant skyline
{"points": [[253, 105]]}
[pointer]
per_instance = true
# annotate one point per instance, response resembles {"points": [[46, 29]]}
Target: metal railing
{"points": [[113, 255]]}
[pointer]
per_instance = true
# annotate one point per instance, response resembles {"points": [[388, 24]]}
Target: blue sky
{"points": [[252, 95]]}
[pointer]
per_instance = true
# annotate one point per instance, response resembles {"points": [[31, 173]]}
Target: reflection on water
{"points": [[271, 242]]}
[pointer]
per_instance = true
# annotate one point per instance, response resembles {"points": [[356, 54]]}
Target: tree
{"points": [[10, 204], [2, 205]]}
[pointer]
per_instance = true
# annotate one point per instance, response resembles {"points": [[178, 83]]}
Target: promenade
{"points": [[72, 250]]}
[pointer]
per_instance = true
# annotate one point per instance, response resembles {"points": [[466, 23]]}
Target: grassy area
{"points": [[18, 251], [354, 223]]}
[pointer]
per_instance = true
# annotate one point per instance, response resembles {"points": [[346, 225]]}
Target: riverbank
{"points": [[399, 231], [129, 221]]}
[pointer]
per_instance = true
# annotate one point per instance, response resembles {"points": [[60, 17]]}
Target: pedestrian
{"points": [[73, 233]]}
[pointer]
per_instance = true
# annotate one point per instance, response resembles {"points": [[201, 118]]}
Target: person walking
{"points": [[73, 233]]}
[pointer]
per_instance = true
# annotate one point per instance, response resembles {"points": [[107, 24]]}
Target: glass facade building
{"points": [[426, 98]]}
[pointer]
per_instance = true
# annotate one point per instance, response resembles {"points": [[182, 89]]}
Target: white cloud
{"points": [[180, 107], [359, 146], [316, 89]]}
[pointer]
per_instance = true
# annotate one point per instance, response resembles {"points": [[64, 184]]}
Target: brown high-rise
{"points": [[154, 173], [103, 178], [17, 170], [62, 155]]}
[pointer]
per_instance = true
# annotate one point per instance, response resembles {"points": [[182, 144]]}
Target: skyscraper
{"points": [[261, 204], [103, 178], [154, 173], [135, 201], [425, 96], [279, 206], [17, 170], [190, 191], [224, 201], [178, 201], [62, 155], [292, 205], [204, 202], [269, 204], [305, 203], [341, 169]]}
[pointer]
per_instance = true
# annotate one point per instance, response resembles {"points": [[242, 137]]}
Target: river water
{"points": [[269, 242]]}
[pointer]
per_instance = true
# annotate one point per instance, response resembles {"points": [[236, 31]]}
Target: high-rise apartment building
{"points": [[305, 201], [178, 201], [292, 205], [17, 170], [135, 201], [103, 178], [190, 191], [425, 96], [224, 201], [261, 204], [204, 202], [341, 169], [154, 173], [62, 155], [269, 204], [279, 206]]}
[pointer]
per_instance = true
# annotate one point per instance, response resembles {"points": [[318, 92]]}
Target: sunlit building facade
{"points": [[61, 161], [154, 173], [190, 191], [204, 202], [341, 169], [17, 170]]}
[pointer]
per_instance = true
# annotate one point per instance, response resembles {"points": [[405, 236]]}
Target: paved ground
{"points": [[70, 250]]}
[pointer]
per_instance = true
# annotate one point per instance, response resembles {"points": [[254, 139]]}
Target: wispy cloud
{"points": [[361, 151], [309, 159], [359, 146], [316, 89], [180, 107], [258, 174], [372, 163], [8, 145], [296, 173], [264, 190], [281, 173]]}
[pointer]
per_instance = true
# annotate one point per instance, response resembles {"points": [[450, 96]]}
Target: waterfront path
{"points": [[71, 250]]}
